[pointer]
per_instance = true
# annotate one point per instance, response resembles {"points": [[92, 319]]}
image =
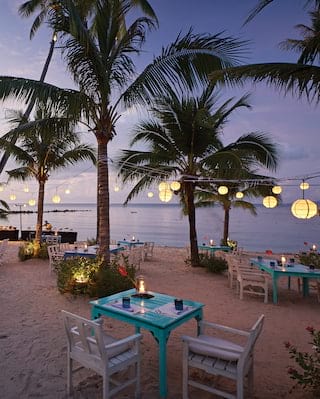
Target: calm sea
{"points": [[274, 229]]}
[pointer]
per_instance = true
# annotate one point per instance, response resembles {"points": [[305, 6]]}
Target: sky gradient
{"points": [[292, 123]]}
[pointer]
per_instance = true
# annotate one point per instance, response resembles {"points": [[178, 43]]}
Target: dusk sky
{"points": [[291, 122]]}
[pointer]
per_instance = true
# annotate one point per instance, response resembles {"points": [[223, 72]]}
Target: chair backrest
{"points": [[148, 249], [85, 338], [52, 239], [253, 336]]}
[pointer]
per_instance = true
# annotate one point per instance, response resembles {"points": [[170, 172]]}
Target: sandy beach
{"points": [[33, 342]]}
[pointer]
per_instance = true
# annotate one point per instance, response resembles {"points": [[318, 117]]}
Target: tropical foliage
{"points": [[184, 141]]}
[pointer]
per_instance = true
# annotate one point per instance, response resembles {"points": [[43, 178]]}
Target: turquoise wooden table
{"points": [[156, 314], [213, 248], [288, 270], [91, 251], [130, 243]]}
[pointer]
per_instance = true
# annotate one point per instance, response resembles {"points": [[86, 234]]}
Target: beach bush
{"points": [[92, 277], [308, 373], [213, 264], [310, 259], [26, 251]]}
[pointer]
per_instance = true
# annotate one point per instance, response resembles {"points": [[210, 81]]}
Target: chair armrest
{"points": [[211, 348], [204, 324], [124, 341]]}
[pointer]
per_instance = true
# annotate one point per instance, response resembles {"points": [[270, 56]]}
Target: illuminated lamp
{"points": [[12, 197], [223, 190], [304, 185], [175, 186], [67, 191], [1, 187], [239, 195], [270, 201], [304, 208], [56, 199], [165, 195], [116, 188], [150, 194], [26, 189], [32, 202], [277, 189], [164, 186]]}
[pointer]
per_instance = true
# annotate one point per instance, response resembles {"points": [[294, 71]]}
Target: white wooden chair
{"points": [[3, 249], [55, 256], [220, 357], [93, 349], [148, 250], [52, 240], [135, 257], [251, 280]]}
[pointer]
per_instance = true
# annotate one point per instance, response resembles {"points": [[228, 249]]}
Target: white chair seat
{"points": [[212, 346]]}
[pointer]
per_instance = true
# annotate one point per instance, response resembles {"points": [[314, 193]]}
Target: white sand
{"points": [[33, 342]]}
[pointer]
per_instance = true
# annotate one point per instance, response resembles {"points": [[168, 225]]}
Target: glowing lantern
{"points": [[12, 197], [56, 199], [141, 285], [67, 191], [304, 185], [165, 195], [239, 195], [175, 186], [32, 202], [223, 190], [26, 189], [116, 188], [1, 187], [277, 189], [150, 194], [270, 201], [304, 209], [164, 186]]}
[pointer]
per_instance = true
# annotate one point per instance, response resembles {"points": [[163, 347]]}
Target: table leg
{"points": [[274, 289], [305, 286], [162, 338]]}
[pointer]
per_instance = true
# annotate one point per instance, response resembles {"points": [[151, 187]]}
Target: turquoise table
{"points": [[91, 252], [288, 270], [213, 248], [148, 315], [130, 244]]}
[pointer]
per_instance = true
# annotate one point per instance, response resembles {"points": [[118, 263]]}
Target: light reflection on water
{"points": [[274, 229]]}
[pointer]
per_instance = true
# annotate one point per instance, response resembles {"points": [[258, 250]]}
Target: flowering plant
{"points": [[124, 272], [309, 376]]}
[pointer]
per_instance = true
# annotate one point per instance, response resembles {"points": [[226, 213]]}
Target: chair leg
{"points": [[265, 294], [138, 375], [69, 376], [240, 387], [250, 382], [105, 383], [185, 373]]}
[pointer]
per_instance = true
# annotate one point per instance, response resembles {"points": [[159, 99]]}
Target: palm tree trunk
{"points": [[27, 112], [37, 240], [192, 225], [103, 199], [226, 226]]}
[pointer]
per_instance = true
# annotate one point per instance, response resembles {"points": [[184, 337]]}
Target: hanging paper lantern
{"points": [[304, 185], [150, 194], [165, 195], [223, 190], [1, 187], [270, 201], [304, 209], [239, 195], [12, 196], [277, 189], [164, 186], [26, 189], [32, 202], [116, 188], [175, 186], [67, 191], [56, 199]]}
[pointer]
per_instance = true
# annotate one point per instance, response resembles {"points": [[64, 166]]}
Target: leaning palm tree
{"points": [[100, 59], [43, 146], [184, 141]]}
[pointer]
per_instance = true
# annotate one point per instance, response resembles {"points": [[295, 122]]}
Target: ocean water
{"points": [[274, 229]]}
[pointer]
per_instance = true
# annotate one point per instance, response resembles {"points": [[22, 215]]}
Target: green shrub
{"points": [[213, 264], [26, 251], [92, 277], [310, 259]]}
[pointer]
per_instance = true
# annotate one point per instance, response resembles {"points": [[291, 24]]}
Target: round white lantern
{"points": [[175, 186], [164, 186], [12, 197], [270, 201], [165, 195], [223, 190], [239, 195], [150, 194], [32, 202], [116, 188], [26, 189], [1, 187], [277, 189], [56, 199], [67, 191], [304, 209], [304, 185]]}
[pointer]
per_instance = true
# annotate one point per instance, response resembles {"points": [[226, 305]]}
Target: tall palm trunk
{"points": [[39, 218], [103, 198], [192, 224], [29, 108], [226, 225]]}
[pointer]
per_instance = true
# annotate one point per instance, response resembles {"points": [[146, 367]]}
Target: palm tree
{"points": [[300, 79], [44, 145], [100, 59], [183, 140]]}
